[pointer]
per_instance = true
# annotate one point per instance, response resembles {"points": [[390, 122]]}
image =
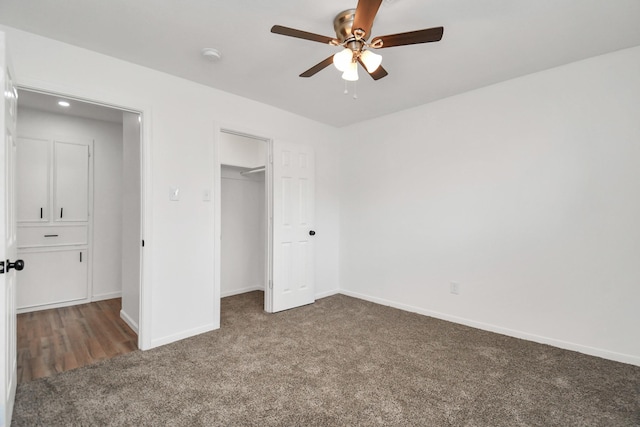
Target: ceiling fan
{"points": [[353, 29]]}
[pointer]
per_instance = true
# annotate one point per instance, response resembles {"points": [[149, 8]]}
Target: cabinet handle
{"points": [[40, 213], [60, 213], [80, 256], [50, 235]]}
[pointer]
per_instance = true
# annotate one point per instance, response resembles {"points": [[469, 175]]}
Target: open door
{"points": [[293, 176], [8, 263]]}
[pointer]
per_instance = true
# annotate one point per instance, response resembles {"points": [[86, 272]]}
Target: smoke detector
{"points": [[211, 54]]}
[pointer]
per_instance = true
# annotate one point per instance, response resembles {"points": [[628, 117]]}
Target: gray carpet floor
{"points": [[338, 362]]}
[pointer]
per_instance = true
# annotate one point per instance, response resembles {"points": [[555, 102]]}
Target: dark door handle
{"points": [[18, 265], [312, 233]]}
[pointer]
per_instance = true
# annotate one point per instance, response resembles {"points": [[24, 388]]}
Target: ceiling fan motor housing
{"points": [[343, 24]]}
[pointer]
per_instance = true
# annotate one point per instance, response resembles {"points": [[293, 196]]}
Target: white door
{"points": [[9, 265], [293, 218]]}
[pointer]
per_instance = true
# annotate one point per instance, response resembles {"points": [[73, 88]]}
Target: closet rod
{"points": [[254, 170]]}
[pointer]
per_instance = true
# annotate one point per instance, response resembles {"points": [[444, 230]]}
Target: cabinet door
{"points": [[53, 277], [71, 181], [33, 179]]}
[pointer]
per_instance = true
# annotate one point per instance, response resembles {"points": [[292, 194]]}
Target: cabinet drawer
{"points": [[33, 237]]}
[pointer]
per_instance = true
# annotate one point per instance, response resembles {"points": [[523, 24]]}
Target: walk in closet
{"points": [[243, 213]]}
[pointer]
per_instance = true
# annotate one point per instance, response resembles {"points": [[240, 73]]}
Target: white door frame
{"points": [[217, 186], [96, 96]]}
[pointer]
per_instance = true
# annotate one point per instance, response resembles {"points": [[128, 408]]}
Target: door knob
{"points": [[312, 233], [18, 265]]}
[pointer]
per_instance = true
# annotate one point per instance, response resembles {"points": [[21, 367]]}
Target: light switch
{"points": [[174, 194], [206, 195]]}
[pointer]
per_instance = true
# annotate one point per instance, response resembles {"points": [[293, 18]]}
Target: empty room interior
{"points": [[364, 212]]}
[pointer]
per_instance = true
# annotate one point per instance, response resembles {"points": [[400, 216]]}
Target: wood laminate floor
{"points": [[57, 340]]}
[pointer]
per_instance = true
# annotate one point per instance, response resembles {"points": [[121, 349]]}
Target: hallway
{"points": [[57, 340]]}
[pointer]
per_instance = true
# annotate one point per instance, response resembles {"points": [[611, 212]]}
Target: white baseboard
{"points": [[53, 305], [240, 291], [129, 321], [182, 335], [260, 288], [109, 295], [327, 293], [591, 351]]}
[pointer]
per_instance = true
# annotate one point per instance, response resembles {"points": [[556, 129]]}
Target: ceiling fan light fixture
{"points": [[370, 60], [342, 59], [351, 73]]}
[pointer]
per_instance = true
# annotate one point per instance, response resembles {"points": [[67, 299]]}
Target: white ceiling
{"points": [[76, 108], [485, 41]]}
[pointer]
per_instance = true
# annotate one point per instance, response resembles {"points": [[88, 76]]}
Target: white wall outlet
{"points": [[174, 194], [454, 288]]}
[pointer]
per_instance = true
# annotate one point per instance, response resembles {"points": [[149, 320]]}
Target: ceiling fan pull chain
{"points": [[346, 91], [355, 90]]}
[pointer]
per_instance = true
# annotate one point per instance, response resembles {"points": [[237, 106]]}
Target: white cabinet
{"points": [[53, 277], [53, 180], [54, 204], [34, 179], [70, 181]]}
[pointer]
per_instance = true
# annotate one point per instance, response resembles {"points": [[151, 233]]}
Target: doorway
{"points": [[244, 206], [103, 249], [289, 174]]}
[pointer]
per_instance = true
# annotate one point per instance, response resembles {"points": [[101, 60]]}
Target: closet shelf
{"points": [[254, 170]]}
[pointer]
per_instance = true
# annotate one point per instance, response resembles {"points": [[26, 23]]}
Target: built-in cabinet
{"points": [[54, 209]]}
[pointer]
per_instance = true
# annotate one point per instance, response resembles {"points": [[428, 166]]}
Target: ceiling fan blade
{"points": [[365, 14], [318, 67], [412, 37], [292, 32], [377, 74]]}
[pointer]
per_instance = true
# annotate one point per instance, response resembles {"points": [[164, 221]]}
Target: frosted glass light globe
{"points": [[342, 59], [351, 73], [370, 60]]}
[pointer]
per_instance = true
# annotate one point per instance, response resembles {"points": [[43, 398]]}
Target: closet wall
{"points": [[243, 232], [243, 215], [131, 235], [107, 198]]}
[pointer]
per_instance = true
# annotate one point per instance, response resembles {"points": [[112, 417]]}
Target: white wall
{"points": [[526, 193], [243, 217], [131, 199], [179, 126], [107, 187], [237, 150]]}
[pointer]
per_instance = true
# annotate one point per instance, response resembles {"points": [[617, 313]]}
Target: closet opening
{"points": [[79, 215], [245, 261]]}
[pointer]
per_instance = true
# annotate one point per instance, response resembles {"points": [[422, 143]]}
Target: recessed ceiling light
{"points": [[63, 103]]}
